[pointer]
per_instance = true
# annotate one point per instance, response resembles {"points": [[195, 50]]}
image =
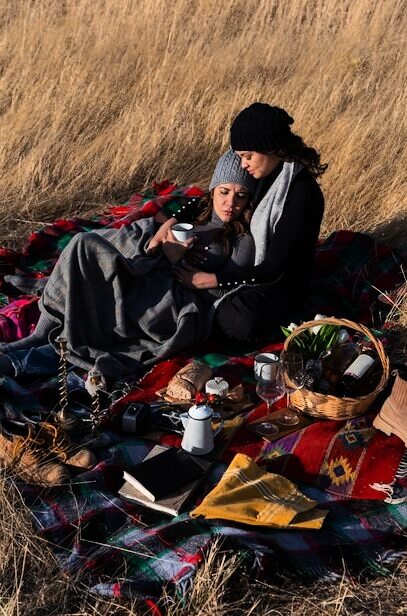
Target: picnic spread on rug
{"points": [[300, 483]]}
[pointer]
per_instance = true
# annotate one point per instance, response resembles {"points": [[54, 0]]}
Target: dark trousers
{"points": [[40, 361], [255, 313]]}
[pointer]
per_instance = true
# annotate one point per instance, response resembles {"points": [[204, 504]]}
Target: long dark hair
{"points": [[230, 231], [295, 150]]}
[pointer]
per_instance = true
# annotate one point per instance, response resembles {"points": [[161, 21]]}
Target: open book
{"points": [[165, 479]]}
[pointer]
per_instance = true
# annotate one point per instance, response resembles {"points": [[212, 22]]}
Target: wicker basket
{"points": [[330, 407]]}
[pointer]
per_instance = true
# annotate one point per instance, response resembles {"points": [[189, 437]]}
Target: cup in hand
{"points": [[265, 359], [182, 231]]}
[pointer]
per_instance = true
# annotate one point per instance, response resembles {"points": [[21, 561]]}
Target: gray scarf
{"points": [[268, 212]]}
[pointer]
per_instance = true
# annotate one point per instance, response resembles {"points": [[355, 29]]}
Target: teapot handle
{"points": [[222, 423]]}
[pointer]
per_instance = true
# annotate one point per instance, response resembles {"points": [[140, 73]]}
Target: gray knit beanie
{"points": [[228, 170]]}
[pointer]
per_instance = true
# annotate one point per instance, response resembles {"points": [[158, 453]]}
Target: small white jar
{"points": [[217, 386]]}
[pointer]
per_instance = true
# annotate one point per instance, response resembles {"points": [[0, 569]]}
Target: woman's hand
{"points": [[192, 278], [173, 249], [160, 236]]}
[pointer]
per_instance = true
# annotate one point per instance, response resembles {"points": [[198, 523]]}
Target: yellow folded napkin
{"points": [[248, 494]]}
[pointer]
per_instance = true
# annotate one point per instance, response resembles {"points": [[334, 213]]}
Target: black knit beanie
{"points": [[260, 128]]}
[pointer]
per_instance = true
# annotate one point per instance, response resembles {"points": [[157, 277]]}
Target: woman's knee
{"points": [[237, 319]]}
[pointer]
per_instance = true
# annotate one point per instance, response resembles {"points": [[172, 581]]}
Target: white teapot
{"points": [[199, 434]]}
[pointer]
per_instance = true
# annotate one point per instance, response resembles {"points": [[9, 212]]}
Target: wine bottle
{"points": [[370, 380], [336, 360], [356, 371], [324, 387]]}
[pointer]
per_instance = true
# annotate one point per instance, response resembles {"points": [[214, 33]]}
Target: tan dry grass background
{"points": [[100, 98]]}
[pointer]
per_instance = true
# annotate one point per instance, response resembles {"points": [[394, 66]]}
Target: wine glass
{"points": [[270, 388], [292, 365]]}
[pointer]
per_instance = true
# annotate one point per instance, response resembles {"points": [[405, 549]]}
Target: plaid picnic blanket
{"points": [[121, 549], [351, 270], [44, 246]]}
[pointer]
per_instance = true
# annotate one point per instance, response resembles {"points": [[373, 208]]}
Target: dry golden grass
{"points": [[99, 98], [31, 583], [30, 579]]}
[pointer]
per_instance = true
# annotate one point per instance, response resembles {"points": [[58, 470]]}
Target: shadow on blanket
{"points": [[124, 549]]}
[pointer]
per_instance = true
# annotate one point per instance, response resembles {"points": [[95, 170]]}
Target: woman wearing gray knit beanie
{"points": [[121, 306], [285, 225]]}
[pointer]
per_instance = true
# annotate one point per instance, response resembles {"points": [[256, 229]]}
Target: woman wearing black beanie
{"points": [[285, 225]]}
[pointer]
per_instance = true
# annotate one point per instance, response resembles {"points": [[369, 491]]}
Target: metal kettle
{"points": [[199, 435]]}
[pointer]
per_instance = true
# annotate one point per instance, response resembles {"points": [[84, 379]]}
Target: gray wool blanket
{"points": [[130, 312]]}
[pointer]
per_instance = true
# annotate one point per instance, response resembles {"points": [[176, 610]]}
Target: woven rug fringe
{"points": [[396, 491], [401, 472]]}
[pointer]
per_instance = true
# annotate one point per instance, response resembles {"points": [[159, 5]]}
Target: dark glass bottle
{"points": [[356, 373], [325, 387], [336, 361]]}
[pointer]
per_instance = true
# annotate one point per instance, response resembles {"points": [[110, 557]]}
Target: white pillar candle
{"points": [[217, 386]]}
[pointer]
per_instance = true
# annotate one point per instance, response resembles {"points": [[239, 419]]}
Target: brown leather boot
{"points": [[24, 454], [63, 448], [392, 418]]}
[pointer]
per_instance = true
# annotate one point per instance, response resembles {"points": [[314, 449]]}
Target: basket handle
{"points": [[357, 327]]}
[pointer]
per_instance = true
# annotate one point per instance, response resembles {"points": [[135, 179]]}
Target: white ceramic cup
{"points": [[265, 359], [182, 231]]}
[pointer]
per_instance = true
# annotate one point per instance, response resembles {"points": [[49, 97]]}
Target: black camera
{"points": [[135, 418]]}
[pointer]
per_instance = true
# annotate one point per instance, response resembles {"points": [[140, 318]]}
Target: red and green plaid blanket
{"points": [[122, 549]]}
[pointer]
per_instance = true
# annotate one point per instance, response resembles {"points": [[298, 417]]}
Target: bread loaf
{"points": [[188, 381]]}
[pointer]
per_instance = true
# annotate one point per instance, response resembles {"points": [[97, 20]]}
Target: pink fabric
{"points": [[18, 319]]}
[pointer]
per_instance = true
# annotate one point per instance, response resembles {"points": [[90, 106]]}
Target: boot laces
{"points": [[60, 441], [29, 445]]}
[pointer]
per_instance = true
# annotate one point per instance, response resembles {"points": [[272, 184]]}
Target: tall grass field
{"points": [[99, 98]]}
